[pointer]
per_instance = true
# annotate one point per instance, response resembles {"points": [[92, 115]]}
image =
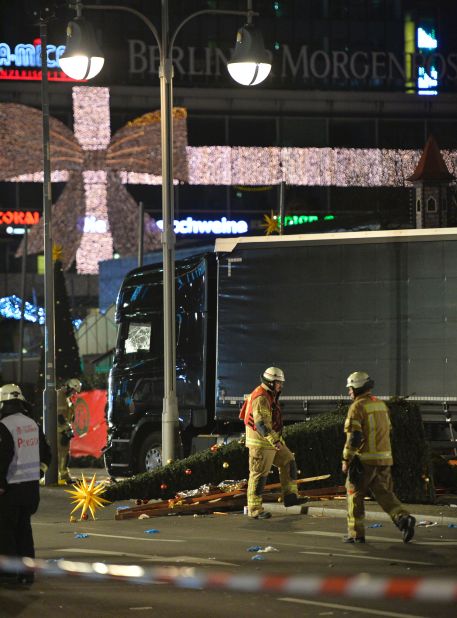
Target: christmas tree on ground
{"points": [[67, 364]]}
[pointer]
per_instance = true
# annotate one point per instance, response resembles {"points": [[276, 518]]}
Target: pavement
{"points": [[444, 512]]}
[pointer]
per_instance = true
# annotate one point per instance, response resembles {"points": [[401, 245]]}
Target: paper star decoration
{"points": [[271, 224], [87, 496]]}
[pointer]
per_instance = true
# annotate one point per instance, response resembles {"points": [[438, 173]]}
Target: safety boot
{"points": [[406, 525], [263, 515], [354, 539]]}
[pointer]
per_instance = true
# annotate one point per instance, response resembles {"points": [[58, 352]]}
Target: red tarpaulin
{"points": [[89, 426]]}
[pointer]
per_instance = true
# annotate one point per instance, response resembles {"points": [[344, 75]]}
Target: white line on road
{"points": [[146, 557], [364, 557], [134, 538], [378, 538], [351, 608]]}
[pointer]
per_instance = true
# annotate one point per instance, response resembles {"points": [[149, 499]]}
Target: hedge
{"points": [[317, 445]]}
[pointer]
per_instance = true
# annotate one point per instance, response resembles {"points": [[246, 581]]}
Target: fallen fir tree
{"points": [[317, 445]]}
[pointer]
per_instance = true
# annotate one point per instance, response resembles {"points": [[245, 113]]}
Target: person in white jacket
{"points": [[24, 452]]}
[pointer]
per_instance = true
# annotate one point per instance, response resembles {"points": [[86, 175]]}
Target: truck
{"points": [[318, 306]]}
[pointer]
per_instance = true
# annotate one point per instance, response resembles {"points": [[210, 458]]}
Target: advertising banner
{"points": [[89, 426]]}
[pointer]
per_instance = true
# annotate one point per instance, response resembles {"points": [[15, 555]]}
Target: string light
{"points": [[95, 167], [10, 307]]}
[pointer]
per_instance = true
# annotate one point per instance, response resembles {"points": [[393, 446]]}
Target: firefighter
{"points": [[262, 416], [367, 460], [24, 451], [65, 417]]}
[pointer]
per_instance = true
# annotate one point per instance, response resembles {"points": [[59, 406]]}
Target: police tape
{"points": [[359, 586]]}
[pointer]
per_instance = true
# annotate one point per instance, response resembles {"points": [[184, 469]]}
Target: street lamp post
{"points": [[49, 393], [248, 51]]}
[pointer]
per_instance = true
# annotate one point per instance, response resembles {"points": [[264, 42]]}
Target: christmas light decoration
{"points": [[91, 164], [10, 307], [87, 496], [95, 214]]}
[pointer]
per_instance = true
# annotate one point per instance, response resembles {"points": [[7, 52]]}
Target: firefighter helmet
{"points": [[74, 384], [11, 391], [359, 380], [271, 375]]}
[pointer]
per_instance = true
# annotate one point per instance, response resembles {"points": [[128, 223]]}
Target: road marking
{"points": [[364, 557], [135, 538], [378, 538], [146, 557], [352, 608]]}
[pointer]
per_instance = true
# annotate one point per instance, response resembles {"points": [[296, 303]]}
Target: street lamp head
{"points": [[250, 63], [82, 58]]}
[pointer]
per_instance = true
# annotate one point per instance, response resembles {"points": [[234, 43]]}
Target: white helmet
{"points": [[359, 379], [74, 384], [273, 374], [11, 391]]}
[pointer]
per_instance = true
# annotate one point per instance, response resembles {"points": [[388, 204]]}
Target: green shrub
{"points": [[317, 445]]}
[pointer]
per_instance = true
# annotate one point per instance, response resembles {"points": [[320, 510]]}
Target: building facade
{"points": [[357, 87]]}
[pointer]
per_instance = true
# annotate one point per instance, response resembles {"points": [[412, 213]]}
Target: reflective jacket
{"points": [[65, 410], [25, 464], [262, 416], [370, 417]]}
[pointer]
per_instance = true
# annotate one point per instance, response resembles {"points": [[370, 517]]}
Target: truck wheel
{"points": [[150, 454]]}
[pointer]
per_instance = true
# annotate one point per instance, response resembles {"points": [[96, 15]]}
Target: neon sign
{"points": [[300, 219], [18, 217], [427, 75], [23, 62], [194, 226]]}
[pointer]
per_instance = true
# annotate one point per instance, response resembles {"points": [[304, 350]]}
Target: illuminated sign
{"points": [[194, 226], [303, 64], [427, 75], [19, 217], [301, 219], [23, 62]]}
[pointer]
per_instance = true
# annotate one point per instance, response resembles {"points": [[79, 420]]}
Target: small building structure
{"points": [[431, 180]]}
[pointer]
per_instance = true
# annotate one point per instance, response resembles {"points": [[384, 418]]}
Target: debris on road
{"points": [[229, 496]]}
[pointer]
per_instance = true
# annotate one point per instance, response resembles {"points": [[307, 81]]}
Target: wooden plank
{"points": [[184, 509], [173, 503]]}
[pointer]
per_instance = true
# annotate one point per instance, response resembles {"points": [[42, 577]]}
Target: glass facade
{"points": [[342, 78]]}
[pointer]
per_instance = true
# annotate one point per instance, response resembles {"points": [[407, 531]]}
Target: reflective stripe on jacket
{"points": [[370, 416], [25, 465]]}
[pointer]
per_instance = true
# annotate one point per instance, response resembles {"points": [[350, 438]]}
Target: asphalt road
{"points": [[306, 546]]}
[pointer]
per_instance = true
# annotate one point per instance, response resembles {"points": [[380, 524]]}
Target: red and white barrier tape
{"points": [[360, 586]]}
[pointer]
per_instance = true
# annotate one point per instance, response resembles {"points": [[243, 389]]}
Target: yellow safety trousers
{"points": [[260, 462], [378, 480]]}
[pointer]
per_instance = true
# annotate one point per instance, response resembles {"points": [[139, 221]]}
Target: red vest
{"points": [[246, 411]]}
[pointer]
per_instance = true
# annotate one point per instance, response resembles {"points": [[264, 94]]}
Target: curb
{"points": [[325, 511]]}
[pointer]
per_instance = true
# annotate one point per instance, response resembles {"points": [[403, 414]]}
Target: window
{"points": [[431, 204], [252, 131], [418, 206], [348, 133], [138, 338], [303, 132]]}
